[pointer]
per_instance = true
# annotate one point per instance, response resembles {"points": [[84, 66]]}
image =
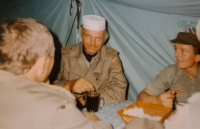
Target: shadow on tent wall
{"points": [[57, 59]]}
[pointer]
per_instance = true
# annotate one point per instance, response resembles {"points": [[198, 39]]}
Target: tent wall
{"points": [[140, 30], [181, 7], [142, 37], [55, 14]]}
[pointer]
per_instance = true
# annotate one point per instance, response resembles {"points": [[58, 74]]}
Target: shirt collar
{"points": [[183, 72]]}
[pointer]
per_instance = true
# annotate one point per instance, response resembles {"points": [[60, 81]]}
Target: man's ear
{"points": [[42, 63], [198, 58], [106, 36], [36, 72]]}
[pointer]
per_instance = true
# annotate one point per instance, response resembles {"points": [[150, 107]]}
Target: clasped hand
{"points": [[79, 85], [167, 99]]}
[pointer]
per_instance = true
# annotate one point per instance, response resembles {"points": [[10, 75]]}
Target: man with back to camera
{"points": [[182, 78], [26, 101], [91, 65]]}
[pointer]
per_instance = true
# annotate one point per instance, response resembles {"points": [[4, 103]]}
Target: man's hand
{"points": [[91, 116], [166, 99], [79, 85]]}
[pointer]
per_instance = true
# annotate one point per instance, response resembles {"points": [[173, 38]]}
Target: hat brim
{"points": [[173, 41], [180, 42]]}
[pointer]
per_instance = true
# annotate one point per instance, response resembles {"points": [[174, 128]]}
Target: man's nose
{"points": [[93, 41]]}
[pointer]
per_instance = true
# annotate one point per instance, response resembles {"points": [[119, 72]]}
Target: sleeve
{"points": [[160, 84], [69, 117], [117, 83]]}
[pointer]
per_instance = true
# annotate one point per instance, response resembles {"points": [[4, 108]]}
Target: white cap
{"points": [[94, 22], [198, 30]]}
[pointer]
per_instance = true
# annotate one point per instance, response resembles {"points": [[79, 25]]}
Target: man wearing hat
{"points": [[181, 79], [187, 116], [90, 65]]}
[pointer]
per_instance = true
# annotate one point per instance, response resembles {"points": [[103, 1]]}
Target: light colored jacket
{"points": [[143, 123], [25, 104], [105, 71]]}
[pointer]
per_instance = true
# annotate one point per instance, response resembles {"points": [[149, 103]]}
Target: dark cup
{"points": [[93, 99]]}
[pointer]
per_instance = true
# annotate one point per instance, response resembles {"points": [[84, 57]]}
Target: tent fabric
{"points": [[142, 38], [55, 14], [139, 29], [181, 7]]}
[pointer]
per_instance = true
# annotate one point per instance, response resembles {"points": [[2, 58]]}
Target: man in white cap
{"points": [[26, 101], [90, 65]]}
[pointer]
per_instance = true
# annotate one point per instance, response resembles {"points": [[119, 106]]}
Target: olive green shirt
{"points": [[173, 78], [104, 71]]}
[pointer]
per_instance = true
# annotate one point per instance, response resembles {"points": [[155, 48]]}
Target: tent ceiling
{"points": [[181, 7]]}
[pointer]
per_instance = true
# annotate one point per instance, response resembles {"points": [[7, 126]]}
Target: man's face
{"points": [[185, 56], [93, 40]]}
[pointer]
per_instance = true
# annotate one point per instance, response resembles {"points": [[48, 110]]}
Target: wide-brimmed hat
{"points": [[187, 38]]}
